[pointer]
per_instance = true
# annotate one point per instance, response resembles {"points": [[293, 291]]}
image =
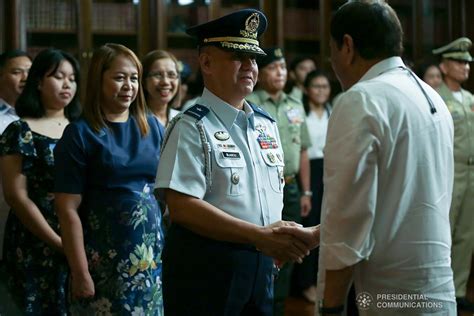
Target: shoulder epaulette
{"points": [[3, 107], [260, 111], [197, 111]]}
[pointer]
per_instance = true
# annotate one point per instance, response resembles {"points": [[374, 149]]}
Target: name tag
{"points": [[231, 154], [294, 116], [226, 146]]}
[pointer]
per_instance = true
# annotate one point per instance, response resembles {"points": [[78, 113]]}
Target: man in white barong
{"points": [[388, 177]]}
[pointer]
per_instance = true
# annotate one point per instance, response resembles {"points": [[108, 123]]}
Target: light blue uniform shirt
{"points": [[229, 158], [7, 115]]}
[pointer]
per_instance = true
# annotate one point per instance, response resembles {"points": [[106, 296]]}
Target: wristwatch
{"points": [[337, 310], [308, 193]]}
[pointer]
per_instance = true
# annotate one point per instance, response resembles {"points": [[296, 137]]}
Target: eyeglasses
{"points": [[171, 75], [319, 86]]}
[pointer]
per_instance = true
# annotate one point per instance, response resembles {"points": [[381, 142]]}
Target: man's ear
{"points": [[205, 62], [349, 48], [443, 67]]}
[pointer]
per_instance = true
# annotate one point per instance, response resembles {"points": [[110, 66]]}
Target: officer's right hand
{"points": [[283, 247], [309, 235]]}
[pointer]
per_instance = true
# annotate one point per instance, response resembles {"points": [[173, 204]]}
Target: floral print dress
{"points": [[37, 274], [114, 172]]}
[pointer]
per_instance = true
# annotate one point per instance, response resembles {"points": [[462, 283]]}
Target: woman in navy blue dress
{"points": [[106, 167], [33, 252]]}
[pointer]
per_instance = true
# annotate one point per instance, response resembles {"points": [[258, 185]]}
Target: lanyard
{"points": [[430, 102]]}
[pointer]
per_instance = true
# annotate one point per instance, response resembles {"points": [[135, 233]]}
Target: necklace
{"points": [[57, 122]]}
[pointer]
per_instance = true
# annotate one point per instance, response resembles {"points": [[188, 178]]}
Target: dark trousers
{"points": [[291, 212], [202, 276], [305, 274]]}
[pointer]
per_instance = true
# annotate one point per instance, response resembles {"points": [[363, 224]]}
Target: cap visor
{"points": [[239, 47]]}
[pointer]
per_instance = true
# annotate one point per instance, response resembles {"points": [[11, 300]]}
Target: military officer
{"points": [[290, 117], [221, 172], [14, 67], [455, 59], [300, 67]]}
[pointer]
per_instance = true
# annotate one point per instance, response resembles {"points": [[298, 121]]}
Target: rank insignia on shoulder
{"points": [[221, 135], [260, 111], [197, 111]]}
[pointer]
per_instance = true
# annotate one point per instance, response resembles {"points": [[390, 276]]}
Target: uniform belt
{"points": [[290, 179]]}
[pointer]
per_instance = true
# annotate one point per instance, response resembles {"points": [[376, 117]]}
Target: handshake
{"points": [[287, 241]]}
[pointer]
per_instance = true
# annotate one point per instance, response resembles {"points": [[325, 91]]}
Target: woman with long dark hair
{"points": [[33, 250]]}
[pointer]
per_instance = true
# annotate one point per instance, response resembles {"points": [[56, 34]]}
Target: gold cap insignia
{"points": [[252, 22], [278, 53], [251, 26]]}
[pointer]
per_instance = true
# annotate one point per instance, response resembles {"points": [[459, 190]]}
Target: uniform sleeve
{"points": [[471, 101], [350, 183], [181, 166], [305, 139], [18, 139], [70, 162]]}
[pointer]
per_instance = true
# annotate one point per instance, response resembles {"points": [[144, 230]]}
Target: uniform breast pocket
{"points": [[456, 116], [274, 165], [295, 132], [231, 173]]}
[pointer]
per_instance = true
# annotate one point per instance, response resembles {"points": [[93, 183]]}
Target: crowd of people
{"points": [[254, 174]]}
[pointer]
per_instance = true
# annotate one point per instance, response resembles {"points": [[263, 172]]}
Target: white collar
{"points": [[5, 107], [382, 66]]}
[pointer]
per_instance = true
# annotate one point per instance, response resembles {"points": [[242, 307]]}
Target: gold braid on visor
{"points": [[231, 39]]}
